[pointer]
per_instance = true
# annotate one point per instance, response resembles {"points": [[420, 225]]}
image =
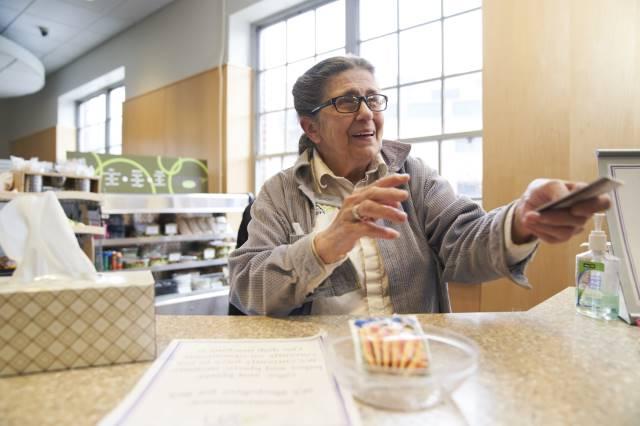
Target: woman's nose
{"points": [[364, 111]]}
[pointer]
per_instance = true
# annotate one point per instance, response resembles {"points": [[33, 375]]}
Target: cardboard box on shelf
{"points": [[58, 325]]}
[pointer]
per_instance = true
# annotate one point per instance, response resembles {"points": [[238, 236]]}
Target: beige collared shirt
{"points": [[373, 296]]}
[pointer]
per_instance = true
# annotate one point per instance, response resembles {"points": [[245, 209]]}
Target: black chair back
{"points": [[243, 236]]}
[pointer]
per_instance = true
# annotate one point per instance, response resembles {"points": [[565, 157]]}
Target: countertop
{"points": [[545, 366]]}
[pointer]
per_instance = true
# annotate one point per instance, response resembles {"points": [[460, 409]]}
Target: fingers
{"points": [[559, 217], [553, 234], [554, 226], [593, 205], [541, 191], [391, 181], [373, 210], [382, 191], [373, 230]]}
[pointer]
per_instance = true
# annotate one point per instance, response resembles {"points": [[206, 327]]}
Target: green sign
{"points": [[139, 174]]}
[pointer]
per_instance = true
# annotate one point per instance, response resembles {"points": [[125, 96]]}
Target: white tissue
{"points": [[35, 232]]}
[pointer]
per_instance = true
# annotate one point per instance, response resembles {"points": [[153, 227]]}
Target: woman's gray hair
{"points": [[309, 89]]}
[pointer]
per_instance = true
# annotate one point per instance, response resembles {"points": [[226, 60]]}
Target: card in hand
{"points": [[595, 188]]}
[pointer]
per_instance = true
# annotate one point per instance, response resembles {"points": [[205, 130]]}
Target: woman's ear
{"points": [[310, 128]]}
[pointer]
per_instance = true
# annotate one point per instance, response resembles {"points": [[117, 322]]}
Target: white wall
{"points": [[176, 42]]}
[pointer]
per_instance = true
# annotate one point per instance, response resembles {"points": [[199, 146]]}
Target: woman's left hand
{"points": [[552, 226]]}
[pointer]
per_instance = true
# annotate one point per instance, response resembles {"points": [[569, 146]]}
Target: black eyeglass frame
{"points": [[332, 101]]}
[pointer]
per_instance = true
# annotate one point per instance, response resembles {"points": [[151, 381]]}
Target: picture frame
{"points": [[623, 219]]}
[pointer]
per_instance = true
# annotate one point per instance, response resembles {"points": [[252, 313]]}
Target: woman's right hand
{"points": [[356, 218]]}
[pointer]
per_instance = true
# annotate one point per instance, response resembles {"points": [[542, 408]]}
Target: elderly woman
{"points": [[358, 226]]}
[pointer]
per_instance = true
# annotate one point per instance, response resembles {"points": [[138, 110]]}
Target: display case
{"points": [[183, 239]]}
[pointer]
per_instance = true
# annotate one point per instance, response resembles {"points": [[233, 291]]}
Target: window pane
{"points": [[428, 152], [272, 133], [92, 138], [301, 36], [383, 54], [116, 98], [463, 103], [294, 131], [414, 12], [266, 168], [462, 165], [272, 89], [330, 26], [115, 132], [82, 114], [82, 137], [463, 43], [96, 137], [96, 109], [456, 6], [294, 71], [420, 53], [391, 115], [323, 56], [273, 43], [377, 17], [420, 110], [115, 150]]}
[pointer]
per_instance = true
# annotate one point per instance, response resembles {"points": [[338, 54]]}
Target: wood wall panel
{"points": [[526, 98], [66, 140], [465, 297], [605, 90], [143, 124], [179, 120], [189, 118], [41, 144], [239, 125], [560, 79]]}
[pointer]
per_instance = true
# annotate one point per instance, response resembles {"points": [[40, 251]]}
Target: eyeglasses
{"points": [[348, 104]]}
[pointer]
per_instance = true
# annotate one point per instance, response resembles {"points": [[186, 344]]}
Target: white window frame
{"points": [[107, 123], [352, 45]]}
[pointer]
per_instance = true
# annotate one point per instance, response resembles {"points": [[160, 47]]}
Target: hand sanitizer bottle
{"points": [[597, 277]]}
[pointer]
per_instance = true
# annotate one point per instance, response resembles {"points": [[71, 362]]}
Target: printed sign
{"points": [[139, 174]]}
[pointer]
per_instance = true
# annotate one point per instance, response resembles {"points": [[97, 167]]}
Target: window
{"points": [[99, 119], [428, 59], [288, 48]]}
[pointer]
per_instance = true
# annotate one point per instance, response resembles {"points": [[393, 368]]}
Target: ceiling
{"points": [[74, 26]]}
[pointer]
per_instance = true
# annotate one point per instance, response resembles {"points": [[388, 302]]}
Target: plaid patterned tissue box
{"points": [[102, 324]]}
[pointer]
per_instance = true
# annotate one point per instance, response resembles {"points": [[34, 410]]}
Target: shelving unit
{"points": [[116, 242], [61, 195], [188, 265], [26, 182], [87, 231], [206, 301], [81, 229]]}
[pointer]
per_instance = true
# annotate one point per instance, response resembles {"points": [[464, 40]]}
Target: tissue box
{"points": [[56, 325]]}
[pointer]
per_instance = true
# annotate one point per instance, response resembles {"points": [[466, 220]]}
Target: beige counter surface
{"points": [[545, 366]]}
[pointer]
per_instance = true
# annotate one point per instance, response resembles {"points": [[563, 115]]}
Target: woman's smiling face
{"points": [[347, 142]]}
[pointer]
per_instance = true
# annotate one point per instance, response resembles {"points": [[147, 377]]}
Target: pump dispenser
{"points": [[597, 237], [597, 276]]}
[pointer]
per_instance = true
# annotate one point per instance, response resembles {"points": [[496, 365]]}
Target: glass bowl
{"points": [[453, 358]]}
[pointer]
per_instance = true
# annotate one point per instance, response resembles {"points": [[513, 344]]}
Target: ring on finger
{"points": [[354, 213]]}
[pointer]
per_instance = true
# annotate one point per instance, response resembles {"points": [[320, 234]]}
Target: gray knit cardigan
{"points": [[446, 238]]}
